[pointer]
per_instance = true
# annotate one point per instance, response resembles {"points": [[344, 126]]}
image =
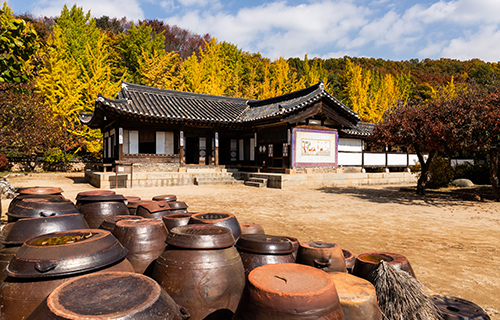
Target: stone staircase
{"points": [[256, 182], [219, 178]]}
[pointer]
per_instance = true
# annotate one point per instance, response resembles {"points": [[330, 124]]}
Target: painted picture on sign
{"points": [[315, 147]]}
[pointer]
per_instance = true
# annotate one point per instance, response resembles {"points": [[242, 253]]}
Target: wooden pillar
{"points": [[216, 151], [120, 144], [181, 148]]}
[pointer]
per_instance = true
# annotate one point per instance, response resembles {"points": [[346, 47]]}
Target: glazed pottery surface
{"points": [[326, 256], [65, 253], [453, 308], [132, 205], [176, 220], [350, 259], [110, 223], [165, 197], [153, 209], [20, 197], [41, 207], [23, 229], [259, 249], [20, 296], [40, 190], [357, 296], [367, 263], [289, 291], [251, 228], [94, 193], [227, 220], [109, 295], [203, 271], [144, 239], [96, 209]]}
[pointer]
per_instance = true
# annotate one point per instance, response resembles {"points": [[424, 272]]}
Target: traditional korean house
{"points": [[172, 129]]}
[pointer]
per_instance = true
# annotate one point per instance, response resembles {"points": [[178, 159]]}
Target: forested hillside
{"points": [[53, 68]]}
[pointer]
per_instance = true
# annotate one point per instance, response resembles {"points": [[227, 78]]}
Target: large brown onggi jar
{"points": [[227, 220], [259, 249], [367, 263], [350, 260], [96, 209], [20, 197], [94, 193], [177, 207], [201, 269], [44, 262], [176, 220], [36, 192], [41, 207], [144, 239], [165, 197], [326, 256], [133, 204], [289, 291], [108, 296]]}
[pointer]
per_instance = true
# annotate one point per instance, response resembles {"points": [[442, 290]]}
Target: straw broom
{"points": [[401, 296]]}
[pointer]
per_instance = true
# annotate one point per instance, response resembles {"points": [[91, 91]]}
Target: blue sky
{"points": [[387, 29]]}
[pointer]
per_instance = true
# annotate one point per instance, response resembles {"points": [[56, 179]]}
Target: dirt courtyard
{"points": [[452, 245]]}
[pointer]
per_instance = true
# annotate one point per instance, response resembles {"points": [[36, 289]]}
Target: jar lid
{"points": [[318, 245], [198, 236], [456, 308], [42, 207], [110, 222], [103, 198], [65, 253], [39, 190], [107, 295], [95, 193], [154, 206], [23, 229], [266, 244], [165, 197]]}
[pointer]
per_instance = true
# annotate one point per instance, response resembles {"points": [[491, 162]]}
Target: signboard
{"points": [[314, 147]]}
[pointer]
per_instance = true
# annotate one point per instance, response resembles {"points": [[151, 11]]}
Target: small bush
{"points": [[441, 173], [4, 163], [478, 172]]}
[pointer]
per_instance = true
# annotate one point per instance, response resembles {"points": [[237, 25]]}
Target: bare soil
{"points": [[452, 243]]}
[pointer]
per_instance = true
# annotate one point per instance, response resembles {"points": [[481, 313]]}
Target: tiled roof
{"points": [[160, 104], [361, 129]]}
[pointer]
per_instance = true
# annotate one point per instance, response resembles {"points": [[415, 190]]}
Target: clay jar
{"points": [[251, 228], [177, 207], [153, 210], [110, 223], [36, 192], [176, 220], [144, 239], [350, 259], [357, 296], [133, 204], [259, 249], [289, 291], [201, 270], [295, 243], [367, 263], [227, 220], [326, 256], [125, 295], [40, 207], [44, 262], [453, 308], [96, 209]]}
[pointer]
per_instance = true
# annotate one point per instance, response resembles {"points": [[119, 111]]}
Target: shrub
{"points": [[441, 173], [478, 172], [4, 163]]}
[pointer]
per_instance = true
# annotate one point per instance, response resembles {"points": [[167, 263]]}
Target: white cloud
{"points": [[482, 45], [112, 8]]}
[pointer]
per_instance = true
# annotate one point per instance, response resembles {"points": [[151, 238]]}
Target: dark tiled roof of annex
{"points": [[148, 102]]}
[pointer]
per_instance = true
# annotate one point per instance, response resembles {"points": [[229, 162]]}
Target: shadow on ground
{"points": [[78, 180], [408, 196]]}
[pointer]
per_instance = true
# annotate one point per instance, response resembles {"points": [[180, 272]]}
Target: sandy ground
{"points": [[453, 245]]}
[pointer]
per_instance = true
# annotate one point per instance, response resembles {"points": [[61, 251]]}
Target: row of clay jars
{"points": [[202, 271]]}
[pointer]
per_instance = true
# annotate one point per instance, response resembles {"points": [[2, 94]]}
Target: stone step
{"points": [[255, 184], [259, 180], [215, 181]]}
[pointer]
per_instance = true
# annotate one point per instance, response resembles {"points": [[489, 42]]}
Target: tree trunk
{"points": [[493, 159], [424, 173]]}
